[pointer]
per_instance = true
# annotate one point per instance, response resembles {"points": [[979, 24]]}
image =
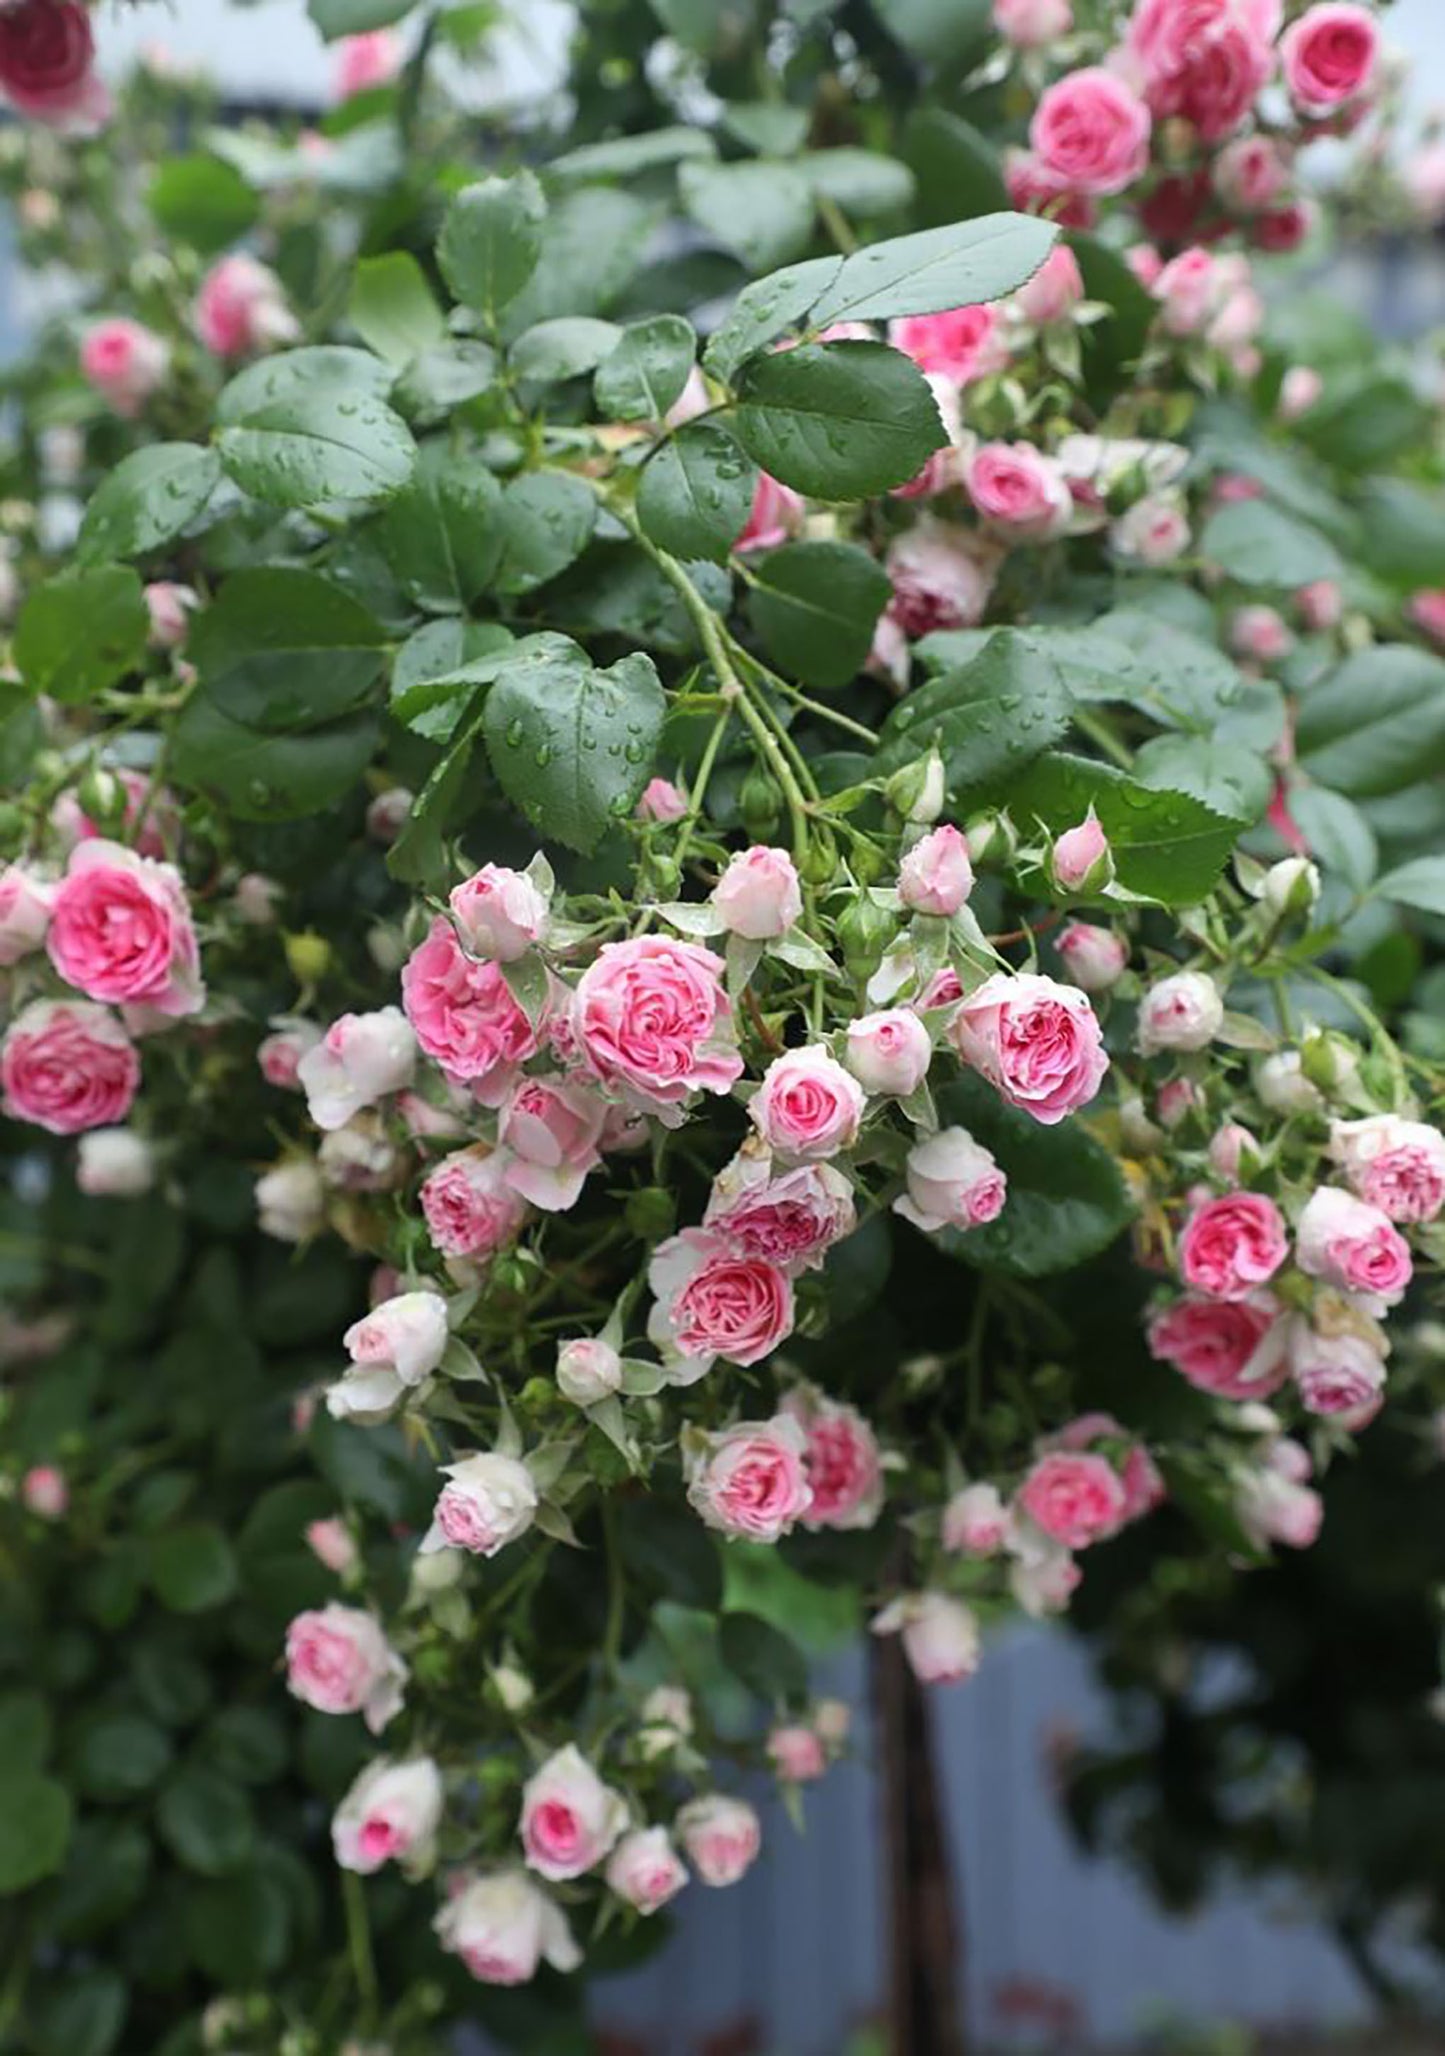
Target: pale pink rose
{"points": [[1054, 291], [1095, 958], [1182, 1012], [832, 1722], [1232, 1245], [361, 1157], [291, 1201], [120, 930], [1251, 173], [962, 344], [1427, 611], [1030, 24], [359, 1060], [661, 801], [408, 1334], [469, 1207], [1090, 132], [1234, 1350], [503, 1926], [390, 1814], [758, 895], [975, 1521], [953, 1182], [808, 1107], [1260, 633], [25, 903], [125, 362], [114, 1163], [68, 1066], [1073, 1498], [1227, 1148], [752, 1481], [1034, 189], [464, 1015], [570, 1819], [776, 515], [1334, 1374], [1035, 1041], [1299, 390], [722, 1837], [1330, 56], [1352, 1245], [842, 1460], [645, 1869], [1275, 1508], [330, 1542], [790, 1218], [170, 607], [1397, 1165], [488, 1501], [796, 1754], [338, 1660], [552, 1131], [713, 1302], [1176, 1100], [1020, 492], [1154, 531], [255, 899], [279, 1054], [1189, 290], [942, 577], [44, 1492], [388, 813], [1204, 60], [1321, 605], [940, 1635], [499, 913], [651, 1016], [241, 307], [1043, 1585], [362, 62], [1144, 1487], [588, 1369], [936, 874], [889, 1052], [1145, 263], [1080, 860]]}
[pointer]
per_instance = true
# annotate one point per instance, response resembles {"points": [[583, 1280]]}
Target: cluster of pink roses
{"points": [[240, 310]]}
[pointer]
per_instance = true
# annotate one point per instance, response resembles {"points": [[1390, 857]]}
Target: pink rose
{"points": [[25, 903], [279, 1054], [469, 1205], [752, 1481], [1035, 1041], [502, 1926], [1321, 605], [936, 875], [940, 1635], [661, 801], [120, 930], [842, 1461], [712, 1302], [953, 1182], [1204, 60], [1034, 189], [962, 344], [1227, 1148], [1075, 1499], [170, 607], [1275, 1508], [1329, 56], [889, 1052], [1095, 958], [338, 1660], [124, 361], [150, 820], [407, 1333], [1182, 1012], [552, 1131], [1334, 1374], [588, 1370], [1090, 132], [359, 1060], [758, 895], [1233, 1244], [500, 914], [651, 1016], [789, 1218], [1030, 24], [1190, 290], [1352, 1245], [391, 1813], [942, 577], [796, 1754], [1080, 860], [1018, 491], [1043, 1585], [488, 1501], [241, 307], [722, 1837], [1177, 1099], [67, 1066], [1251, 173], [807, 1107], [464, 1015], [330, 1542], [776, 514], [1154, 531], [1233, 1349], [1427, 611], [1397, 1165], [570, 1819], [1260, 633], [363, 62], [645, 1869], [47, 52], [1299, 390], [389, 812], [975, 1521], [1054, 291], [45, 1492]]}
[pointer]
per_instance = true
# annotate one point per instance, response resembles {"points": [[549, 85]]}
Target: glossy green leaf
{"points": [[936, 269], [547, 518], [763, 311], [1376, 724], [263, 777], [769, 1662], [328, 369], [147, 500], [1419, 884], [392, 307], [283, 649], [1167, 845], [35, 1820], [567, 347], [304, 451], [838, 421], [205, 1821], [442, 533], [647, 370], [989, 718], [815, 606], [696, 492], [491, 240], [192, 1568], [1259, 545], [760, 210], [79, 633], [202, 200]]}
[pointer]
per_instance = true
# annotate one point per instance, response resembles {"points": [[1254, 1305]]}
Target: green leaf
{"points": [[573, 747], [862, 182], [442, 533], [80, 2016], [766, 308], [769, 1662], [147, 500], [1114, 345], [1233, 781], [329, 369], [119, 1755], [172, 1686], [192, 1567], [989, 719], [670, 1552], [1402, 530], [491, 240], [647, 370], [943, 33], [445, 378], [79, 633], [262, 777], [1066, 1200], [286, 649], [205, 1821], [203, 201], [107, 1863], [1167, 845], [564, 348], [838, 421], [955, 167], [303, 451], [815, 606], [35, 1818], [1338, 834], [547, 520], [1257, 544], [936, 269], [435, 674], [418, 856], [237, 1928], [759, 209], [24, 1733], [247, 1744], [696, 492], [625, 156], [1365, 417], [337, 18], [592, 243], [1136, 659], [392, 308], [1419, 884], [1376, 724]]}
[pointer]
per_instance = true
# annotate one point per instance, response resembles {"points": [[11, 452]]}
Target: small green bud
{"points": [[991, 841], [761, 804], [820, 859], [651, 1214], [864, 932], [917, 792], [308, 957], [102, 798]]}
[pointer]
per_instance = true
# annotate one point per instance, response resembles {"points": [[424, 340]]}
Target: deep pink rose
{"points": [[68, 1066], [1233, 1244], [942, 577], [1234, 1349], [842, 1460], [463, 1013], [753, 1482], [1397, 1165], [469, 1206], [1091, 132], [713, 1302], [963, 344], [1352, 1245], [808, 1106], [776, 515], [651, 1016], [46, 57], [241, 307], [1036, 1042], [1330, 55], [790, 1218], [1074, 1498], [123, 360], [120, 930], [1251, 173], [1019, 491]]}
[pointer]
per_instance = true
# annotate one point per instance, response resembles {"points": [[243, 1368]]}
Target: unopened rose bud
{"points": [[991, 841], [102, 796], [1282, 1085], [1329, 1060], [255, 899], [651, 1213], [917, 792], [308, 957], [588, 1370], [864, 932], [1291, 886], [510, 1683], [114, 1163], [1095, 958], [1081, 861], [1139, 1133], [760, 804], [437, 1571]]}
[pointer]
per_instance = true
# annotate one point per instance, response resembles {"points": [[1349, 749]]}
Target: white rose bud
{"points": [[114, 1163], [588, 1369], [889, 1052], [1291, 886], [359, 1060], [291, 1200], [1282, 1085], [1184, 1012]]}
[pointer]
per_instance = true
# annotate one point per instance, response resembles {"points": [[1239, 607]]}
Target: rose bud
{"points": [[940, 1635], [1183, 1012], [588, 1370], [975, 1521], [1095, 958], [488, 1501], [758, 896], [953, 1182], [391, 1813], [360, 1059], [500, 914], [645, 1869], [388, 813], [570, 1819], [917, 792], [936, 876], [889, 1052], [1081, 861], [797, 1754], [662, 802], [1292, 886], [722, 1837], [44, 1492], [114, 1163]]}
